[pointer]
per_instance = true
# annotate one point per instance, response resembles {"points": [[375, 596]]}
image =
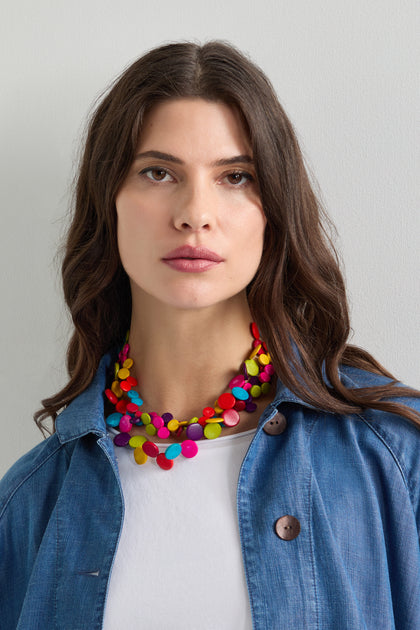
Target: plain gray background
{"points": [[346, 74]]}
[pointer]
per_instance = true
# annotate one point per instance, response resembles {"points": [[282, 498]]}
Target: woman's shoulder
{"points": [[38, 466], [47, 463], [389, 439], [352, 376], [357, 378]]}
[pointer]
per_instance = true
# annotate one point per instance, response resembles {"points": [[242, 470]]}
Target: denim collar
{"points": [[85, 414]]}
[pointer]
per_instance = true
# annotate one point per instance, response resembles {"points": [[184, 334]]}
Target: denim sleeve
{"points": [[28, 493]]}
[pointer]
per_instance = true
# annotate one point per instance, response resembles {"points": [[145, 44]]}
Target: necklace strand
{"points": [[253, 381]]}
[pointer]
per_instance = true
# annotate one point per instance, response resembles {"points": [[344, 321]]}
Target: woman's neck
{"points": [[183, 360]]}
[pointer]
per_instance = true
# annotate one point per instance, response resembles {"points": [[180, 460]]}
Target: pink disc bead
{"points": [[237, 381], [189, 448], [246, 386], [125, 423], [230, 417], [158, 422], [163, 433], [264, 377], [269, 369]]}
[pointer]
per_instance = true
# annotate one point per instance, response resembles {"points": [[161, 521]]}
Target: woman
{"points": [[195, 229]]}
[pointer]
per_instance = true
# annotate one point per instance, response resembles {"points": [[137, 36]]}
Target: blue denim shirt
{"points": [[352, 482]]}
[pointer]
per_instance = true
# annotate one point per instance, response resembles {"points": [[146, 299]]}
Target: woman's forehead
{"points": [[194, 126]]}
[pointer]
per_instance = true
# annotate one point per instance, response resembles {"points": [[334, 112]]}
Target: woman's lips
{"points": [[192, 259]]}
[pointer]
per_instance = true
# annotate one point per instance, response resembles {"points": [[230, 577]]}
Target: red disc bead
{"points": [[111, 396], [226, 401], [150, 449], [125, 386], [240, 405], [121, 406], [163, 461], [131, 381], [254, 331], [208, 412]]}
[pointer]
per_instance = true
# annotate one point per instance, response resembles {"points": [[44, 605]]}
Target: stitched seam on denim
{"points": [[56, 573], [77, 436], [12, 494], [66, 451], [382, 438], [244, 536], [101, 613], [311, 542], [399, 464], [257, 615]]}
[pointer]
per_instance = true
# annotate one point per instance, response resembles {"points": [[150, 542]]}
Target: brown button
{"points": [[276, 425], [287, 527]]}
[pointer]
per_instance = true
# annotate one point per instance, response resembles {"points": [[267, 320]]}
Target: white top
{"points": [[179, 564]]}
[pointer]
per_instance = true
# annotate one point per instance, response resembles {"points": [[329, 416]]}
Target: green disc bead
{"points": [[255, 391], [151, 429], [265, 388], [212, 431]]}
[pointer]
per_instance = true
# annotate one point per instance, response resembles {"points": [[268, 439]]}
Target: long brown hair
{"points": [[297, 296]]}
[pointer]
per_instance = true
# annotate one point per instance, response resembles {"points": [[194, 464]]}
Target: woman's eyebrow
{"points": [[245, 159]]}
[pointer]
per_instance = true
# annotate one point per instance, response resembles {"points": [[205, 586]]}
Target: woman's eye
{"points": [[239, 178], [156, 174]]}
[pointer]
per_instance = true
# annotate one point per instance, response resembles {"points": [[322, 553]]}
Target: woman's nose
{"points": [[194, 210]]}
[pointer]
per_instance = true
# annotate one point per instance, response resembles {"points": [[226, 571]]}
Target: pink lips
{"points": [[192, 259]]}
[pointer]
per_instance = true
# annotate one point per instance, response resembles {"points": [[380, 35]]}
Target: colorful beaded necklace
{"points": [[253, 381]]}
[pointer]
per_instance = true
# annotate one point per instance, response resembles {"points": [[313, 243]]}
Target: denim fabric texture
{"points": [[353, 483]]}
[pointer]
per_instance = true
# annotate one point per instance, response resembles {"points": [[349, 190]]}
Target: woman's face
{"points": [[190, 220]]}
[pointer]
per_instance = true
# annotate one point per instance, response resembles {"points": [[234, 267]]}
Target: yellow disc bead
{"points": [[116, 369], [140, 456], [128, 363], [213, 420], [173, 425], [255, 352], [123, 373], [217, 408], [115, 387], [263, 359]]}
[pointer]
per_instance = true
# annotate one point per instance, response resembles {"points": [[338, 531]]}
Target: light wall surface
{"points": [[346, 74]]}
